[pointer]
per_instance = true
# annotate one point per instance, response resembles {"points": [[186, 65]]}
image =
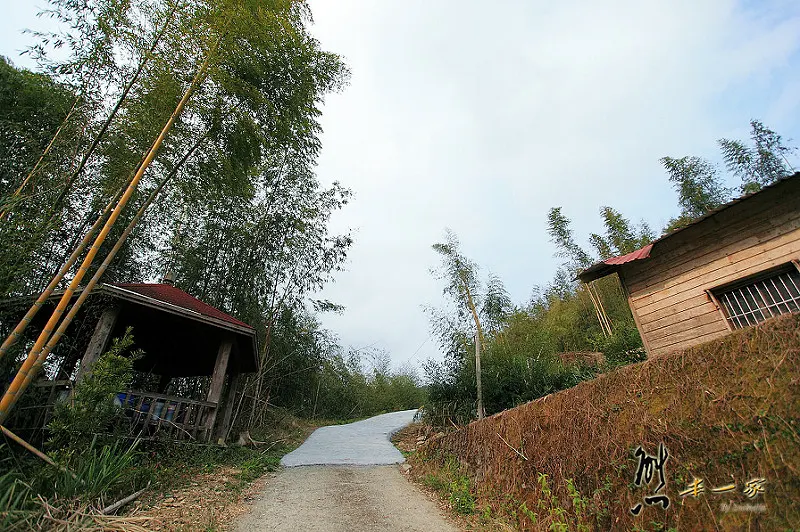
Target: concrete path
{"points": [[362, 443], [346, 486]]}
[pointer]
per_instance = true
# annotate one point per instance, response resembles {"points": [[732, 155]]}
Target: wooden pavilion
{"points": [[181, 336]]}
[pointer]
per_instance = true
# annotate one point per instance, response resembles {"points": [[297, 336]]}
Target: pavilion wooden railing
{"points": [[33, 413], [152, 415], [157, 416]]}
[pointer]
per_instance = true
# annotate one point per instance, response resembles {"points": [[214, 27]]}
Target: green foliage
{"points": [[91, 476], [91, 409], [698, 184], [622, 347], [347, 390], [450, 483], [514, 371], [520, 360], [239, 162], [761, 163], [561, 517], [312, 376], [32, 109], [17, 509], [562, 235], [100, 472]]}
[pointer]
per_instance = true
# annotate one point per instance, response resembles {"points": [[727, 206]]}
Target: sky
{"points": [[480, 117]]}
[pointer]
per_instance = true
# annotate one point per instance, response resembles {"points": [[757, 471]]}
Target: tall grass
{"points": [[17, 508], [99, 473], [88, 480]]}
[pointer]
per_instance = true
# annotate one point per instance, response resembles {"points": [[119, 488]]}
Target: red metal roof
{"points": [[641, 253], [605, 267], [175, 296]]}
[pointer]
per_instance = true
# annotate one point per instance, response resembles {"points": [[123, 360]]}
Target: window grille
{"points": [[761, 298]]}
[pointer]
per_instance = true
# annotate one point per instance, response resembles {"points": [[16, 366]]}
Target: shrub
{"points": [[621, 348], [91, 409]]}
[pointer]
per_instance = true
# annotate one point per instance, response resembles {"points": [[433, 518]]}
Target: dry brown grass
{"points": [[727, 411]]}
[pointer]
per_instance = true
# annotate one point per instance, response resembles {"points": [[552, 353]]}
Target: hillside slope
{"points": [[727, 412]]}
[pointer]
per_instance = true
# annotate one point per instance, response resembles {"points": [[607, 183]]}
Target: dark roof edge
{"points": [[602, 269], [135, 297], [597, 271]]}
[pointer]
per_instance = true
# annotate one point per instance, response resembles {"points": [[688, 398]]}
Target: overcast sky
{"points": [[481, 116]]}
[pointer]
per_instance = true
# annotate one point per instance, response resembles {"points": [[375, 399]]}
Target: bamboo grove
{"points": [[168, 135]]}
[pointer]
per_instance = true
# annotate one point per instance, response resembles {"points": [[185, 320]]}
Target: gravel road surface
{"points": [[345, 486], [343, 499]]}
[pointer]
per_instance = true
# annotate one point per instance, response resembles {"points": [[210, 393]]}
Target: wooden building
{"points": [[734, 267], [181, 337]]}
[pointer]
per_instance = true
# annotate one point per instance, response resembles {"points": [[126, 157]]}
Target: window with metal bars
{"points": [[760, 297]]}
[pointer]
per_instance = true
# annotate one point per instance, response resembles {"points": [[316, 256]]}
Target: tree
{"points": [[496, 306], [463, 286], [758, 165], [698, 184], [561, 234], [33, 108]]}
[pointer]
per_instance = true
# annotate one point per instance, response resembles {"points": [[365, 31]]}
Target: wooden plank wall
{"points": [[667, 292]]}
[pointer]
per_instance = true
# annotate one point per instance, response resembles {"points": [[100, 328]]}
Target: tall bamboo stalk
{"points": [[478, 342], [603, 311], [21, 380], [602, 318]]}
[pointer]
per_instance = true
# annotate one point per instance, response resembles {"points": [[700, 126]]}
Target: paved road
{"points": [[362, 443], [345, 487]]}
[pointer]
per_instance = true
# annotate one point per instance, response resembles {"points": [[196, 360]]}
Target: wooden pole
{"points": [[217, 382], [99, 341], [221, 432]]}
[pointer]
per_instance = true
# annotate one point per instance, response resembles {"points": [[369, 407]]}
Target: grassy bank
{"points": [[727, 412], [34, 495]]}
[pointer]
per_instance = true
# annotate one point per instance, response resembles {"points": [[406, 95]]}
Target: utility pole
{"points": [[478, 374]]}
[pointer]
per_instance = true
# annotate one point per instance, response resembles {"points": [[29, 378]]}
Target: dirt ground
{"points": [[204, 504], [346, 499]]}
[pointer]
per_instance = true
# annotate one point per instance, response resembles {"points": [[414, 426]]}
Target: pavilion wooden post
{"points": [[99, 342], [217, 383], [221, 432]]}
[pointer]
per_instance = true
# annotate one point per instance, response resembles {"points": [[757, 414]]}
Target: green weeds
{"points": [[450, 482]]}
